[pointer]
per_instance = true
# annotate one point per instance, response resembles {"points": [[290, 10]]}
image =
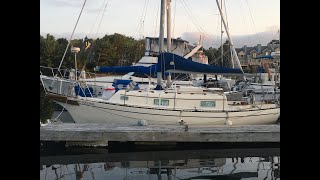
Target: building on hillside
{"points": [[248, 55], [178, 46]]}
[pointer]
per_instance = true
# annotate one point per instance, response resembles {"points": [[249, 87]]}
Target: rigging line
{"points": [[196, 22], [156, 22], [219, 50], [96, 35], [276, 34], [105, 7], [192, 16], [218, 29], [44, 88], [174, 20], [141, 21], [198, 26], [245, 23], [174, 74], [64, 54], [254, 26], [225, 11], [97, 17], [72, 35], [144, 17]]}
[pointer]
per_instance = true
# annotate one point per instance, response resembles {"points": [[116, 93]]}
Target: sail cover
{"points": [[126, 69], [174, 63], [169, 62]]}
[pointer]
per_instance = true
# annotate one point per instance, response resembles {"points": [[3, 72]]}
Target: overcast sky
{"points": [[250, 21]]}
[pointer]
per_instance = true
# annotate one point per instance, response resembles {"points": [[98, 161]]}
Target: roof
{"points": [[250, 49], [190, 46]]}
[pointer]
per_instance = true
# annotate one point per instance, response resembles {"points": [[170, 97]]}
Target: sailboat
{"points": [[265, 84], [191, 105], [172, 104], [63, 83]]}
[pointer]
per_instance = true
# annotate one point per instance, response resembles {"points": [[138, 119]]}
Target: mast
{"points": [[229, 38], [161, 39], [169, 26], [168, 35], [162, 21], [221, 40]]}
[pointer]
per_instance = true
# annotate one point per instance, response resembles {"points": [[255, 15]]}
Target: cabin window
{"points": [[208, 103], [124, 98], [267, 53], [164, 102]]}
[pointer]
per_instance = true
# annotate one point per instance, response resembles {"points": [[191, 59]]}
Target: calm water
{"points": [[253, 163]]}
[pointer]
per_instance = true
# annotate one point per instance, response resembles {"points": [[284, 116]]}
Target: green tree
{"points": [[226, 55], [211, 53], [111, 50]]}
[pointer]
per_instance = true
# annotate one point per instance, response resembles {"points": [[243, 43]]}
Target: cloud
{"points": [[239, 40], [209, 41], [90, 7], [75, 35], [272, 28]]}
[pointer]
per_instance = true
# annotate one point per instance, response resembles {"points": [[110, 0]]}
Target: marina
{"points": [[164, 100], [160, 105]]}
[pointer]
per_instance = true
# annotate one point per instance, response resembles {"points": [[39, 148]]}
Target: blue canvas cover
{"points": [[169, 62]]}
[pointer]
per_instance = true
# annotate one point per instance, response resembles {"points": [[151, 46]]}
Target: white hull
{"points": [[94, 112], [60, 86], [266, 96]]}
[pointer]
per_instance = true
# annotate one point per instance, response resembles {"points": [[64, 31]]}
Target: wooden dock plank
{"points": [[159, 133]]}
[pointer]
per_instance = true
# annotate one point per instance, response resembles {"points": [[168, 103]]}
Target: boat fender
{"points": [[252, 99], [229, 122], [142, 123]]}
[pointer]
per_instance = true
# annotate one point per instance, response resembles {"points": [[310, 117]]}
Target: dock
{"points": [[94, 133]]}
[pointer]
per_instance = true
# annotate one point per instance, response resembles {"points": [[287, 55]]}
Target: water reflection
{"points": [[165, 165]]}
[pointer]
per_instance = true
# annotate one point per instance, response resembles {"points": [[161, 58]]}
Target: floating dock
{"points": [[104, 133]]}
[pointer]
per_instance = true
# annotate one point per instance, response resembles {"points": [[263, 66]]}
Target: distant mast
{"points": [[229, 38], [221, 39], [279, 37], [169, 26]]}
